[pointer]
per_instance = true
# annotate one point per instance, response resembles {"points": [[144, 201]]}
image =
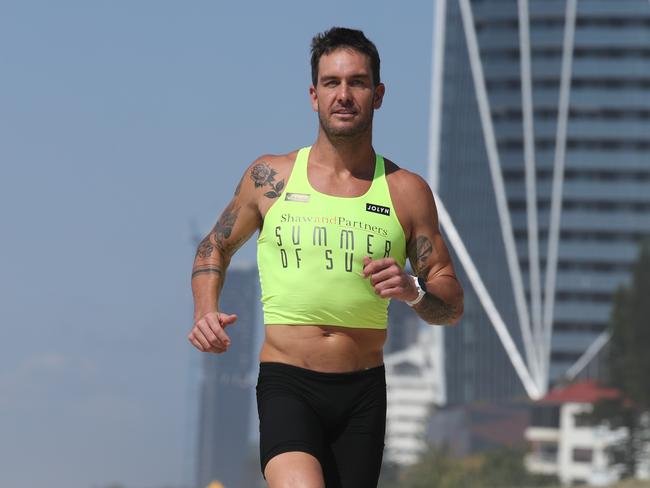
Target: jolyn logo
{"points": [[371, 207]]}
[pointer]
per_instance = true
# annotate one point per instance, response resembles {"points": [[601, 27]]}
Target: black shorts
{"points": [[339, 418]]}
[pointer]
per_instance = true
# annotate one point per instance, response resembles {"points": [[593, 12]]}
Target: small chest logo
{"points": [[297, 197], [371, 207]]}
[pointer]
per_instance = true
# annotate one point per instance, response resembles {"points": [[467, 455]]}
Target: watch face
{"points": [[422, 283]]}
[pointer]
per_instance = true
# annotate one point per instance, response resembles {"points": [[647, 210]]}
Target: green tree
{"points": [[505, 468], [629, 365], [438, 469], [500, 468]]}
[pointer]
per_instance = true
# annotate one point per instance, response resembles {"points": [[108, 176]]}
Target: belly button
{"points": [[327, 334]]}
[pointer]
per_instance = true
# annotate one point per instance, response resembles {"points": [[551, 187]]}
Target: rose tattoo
{"points": [[263, 175]]}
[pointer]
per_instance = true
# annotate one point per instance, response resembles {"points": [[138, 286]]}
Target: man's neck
{"points": [[355, 155]]}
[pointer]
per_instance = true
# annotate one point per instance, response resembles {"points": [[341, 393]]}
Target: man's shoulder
{"points": [[278, 163], [403, 182], [266, 176], [412, 197], [281, 159]]}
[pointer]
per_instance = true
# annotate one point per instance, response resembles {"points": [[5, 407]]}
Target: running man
{"points": [[336, 222]]}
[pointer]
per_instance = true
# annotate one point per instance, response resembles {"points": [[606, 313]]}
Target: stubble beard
{"points": [[345, 134]]}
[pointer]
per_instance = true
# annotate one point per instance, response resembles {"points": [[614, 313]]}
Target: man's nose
{"points": [[343, 93]]}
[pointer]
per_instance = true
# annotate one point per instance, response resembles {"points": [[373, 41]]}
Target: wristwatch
{"points": [[421, 286]]}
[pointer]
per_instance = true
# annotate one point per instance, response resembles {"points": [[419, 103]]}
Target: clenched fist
{"points": [[208, 334], [389, 279]]}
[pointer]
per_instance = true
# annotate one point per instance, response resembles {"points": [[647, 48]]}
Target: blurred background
{"points": [[124, 129]]}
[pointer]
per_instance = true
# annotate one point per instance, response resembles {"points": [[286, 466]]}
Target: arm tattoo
{"points": [[205, 247], [419, 251], [431, 309], [223, 228], [263, 175], [424, 250], [434, 311], [220, 233], [238, 189], [206, 270], [229, 248]]}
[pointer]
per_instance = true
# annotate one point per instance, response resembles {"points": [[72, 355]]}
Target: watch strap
{"points": [[421, 291]]}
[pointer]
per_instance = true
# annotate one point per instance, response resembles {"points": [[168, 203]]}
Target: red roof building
{"points": [[581, 392]]}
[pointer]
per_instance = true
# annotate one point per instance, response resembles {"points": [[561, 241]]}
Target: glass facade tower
{"points": [[583, 128]]}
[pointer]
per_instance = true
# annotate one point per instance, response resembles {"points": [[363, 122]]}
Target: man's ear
{"points": [[380, 91], [313, 98]]}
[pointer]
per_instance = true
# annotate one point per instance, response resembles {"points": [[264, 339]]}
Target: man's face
{"points": [[345, 96]]}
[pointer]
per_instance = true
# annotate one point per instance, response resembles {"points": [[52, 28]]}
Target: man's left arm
{"points": [[443, 302], [430, 260]]}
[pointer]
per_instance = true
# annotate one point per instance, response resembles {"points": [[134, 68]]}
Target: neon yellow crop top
{"points": [[311, 247]]}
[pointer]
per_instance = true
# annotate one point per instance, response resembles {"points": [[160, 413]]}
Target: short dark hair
{"points": [[342, 38]]}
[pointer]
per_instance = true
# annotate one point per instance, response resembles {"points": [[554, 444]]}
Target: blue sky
{"points": [[121, 122]]}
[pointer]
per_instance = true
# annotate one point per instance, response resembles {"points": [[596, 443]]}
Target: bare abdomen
{"points": [[324, 347]]}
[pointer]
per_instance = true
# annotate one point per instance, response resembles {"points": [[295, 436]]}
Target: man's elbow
{"points": [[453, 314], [457, 308], [458, 314]]}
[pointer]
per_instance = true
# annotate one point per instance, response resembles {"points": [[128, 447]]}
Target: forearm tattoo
{"points": [[263, 175], [434, 311], [206, 270]]}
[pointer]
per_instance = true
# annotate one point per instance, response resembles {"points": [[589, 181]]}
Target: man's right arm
{"points": [[237, 223]]}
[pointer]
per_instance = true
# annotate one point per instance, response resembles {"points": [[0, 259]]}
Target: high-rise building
{"points": [[225, 453], [541, 157], [403, 327]]}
